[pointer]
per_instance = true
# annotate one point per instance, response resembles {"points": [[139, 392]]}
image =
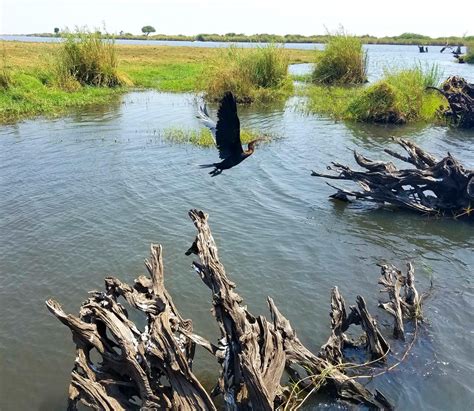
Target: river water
{"points": [[83, 196]]}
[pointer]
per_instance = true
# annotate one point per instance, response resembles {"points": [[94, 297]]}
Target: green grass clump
{"points": [[252, 74], [377, 104], [203, 136], [400, 97], [86, 58], [5, 78], [343, 61], [469, 57]]}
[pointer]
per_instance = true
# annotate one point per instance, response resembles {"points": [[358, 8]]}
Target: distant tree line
{"points": [[405, 38]]}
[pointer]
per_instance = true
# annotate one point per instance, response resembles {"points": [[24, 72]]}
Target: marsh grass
{"points": [[469, 57], [5, 72], [31, 75], [203, 137], [342, 62], [252, 74], [400, 97], [88, 59]]}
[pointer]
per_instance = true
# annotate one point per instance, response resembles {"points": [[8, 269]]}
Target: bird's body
{"points": [[227, 135]]}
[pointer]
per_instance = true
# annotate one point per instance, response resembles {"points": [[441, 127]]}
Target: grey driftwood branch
{"points": [[436, 187], [151, 368], [460, 97]]}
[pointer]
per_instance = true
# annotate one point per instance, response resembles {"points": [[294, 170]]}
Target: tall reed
{"points": [[259, 73], [86, 58], [343, 61], [469, 57]]}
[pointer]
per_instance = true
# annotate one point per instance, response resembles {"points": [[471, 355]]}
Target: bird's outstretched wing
{"points": [[228, 128], [203, 115]]}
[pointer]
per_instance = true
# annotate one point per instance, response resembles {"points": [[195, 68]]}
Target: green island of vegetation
{"points": [[86, 68]]}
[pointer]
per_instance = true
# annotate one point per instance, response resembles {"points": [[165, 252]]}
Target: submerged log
{"points": [[151, 368], [460, 96], [436, 187]]}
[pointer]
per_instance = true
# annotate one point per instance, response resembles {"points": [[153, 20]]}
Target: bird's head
{"points": [[254, 143]]}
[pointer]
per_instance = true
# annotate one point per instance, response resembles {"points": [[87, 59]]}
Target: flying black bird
{"points": [[226, 134]]}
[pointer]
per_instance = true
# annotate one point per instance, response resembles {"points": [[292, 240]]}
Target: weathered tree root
{"points": [[460, 96], [152, 368], [437, 187]]}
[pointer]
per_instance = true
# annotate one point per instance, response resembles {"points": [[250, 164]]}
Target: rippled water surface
{"points": [[82, 197]]}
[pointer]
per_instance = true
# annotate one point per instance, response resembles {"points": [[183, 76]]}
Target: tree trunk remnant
{"points": [[152, 368], [460, 96], [436, 187], [406, 306]]}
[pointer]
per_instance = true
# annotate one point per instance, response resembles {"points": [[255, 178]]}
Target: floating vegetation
{"points": [[203, 137]]}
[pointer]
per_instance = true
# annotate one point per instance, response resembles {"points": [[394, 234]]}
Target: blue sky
{"points": [[240, 16]]}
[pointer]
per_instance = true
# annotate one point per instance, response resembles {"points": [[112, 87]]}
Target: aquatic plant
{"points": [[469, 57], [88, 58], [203, 136], [400, 97], [343, 61], [252, 74]]}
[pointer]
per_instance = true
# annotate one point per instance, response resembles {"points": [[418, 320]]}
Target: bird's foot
{"points": [[215, 172]]}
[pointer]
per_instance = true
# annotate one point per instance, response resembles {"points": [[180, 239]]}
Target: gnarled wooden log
{"points": [[460, 96], [151, 368], [400, 306], [438, 187], [153, 365]]}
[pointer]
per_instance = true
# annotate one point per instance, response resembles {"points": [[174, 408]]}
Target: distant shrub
{"points": [[469, 57], [250, 73], [86, 58], [343, 61], [400, 97]]}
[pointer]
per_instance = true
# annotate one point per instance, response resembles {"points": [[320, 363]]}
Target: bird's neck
{"points": [[249, 151]]}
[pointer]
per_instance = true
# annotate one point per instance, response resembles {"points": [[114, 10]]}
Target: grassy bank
{"points": [[469, 57], [32, 88], [402, 39], [400, 97]]}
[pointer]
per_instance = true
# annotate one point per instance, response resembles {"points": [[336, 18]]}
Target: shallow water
{"points": [[84, 196]]}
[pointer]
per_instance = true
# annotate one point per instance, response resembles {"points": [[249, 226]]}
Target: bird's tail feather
{"points": [[206, 165]]}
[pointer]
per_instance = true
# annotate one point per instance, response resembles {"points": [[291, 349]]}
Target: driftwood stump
{"points": [[460, 96], [436, 187], [151, 368]]}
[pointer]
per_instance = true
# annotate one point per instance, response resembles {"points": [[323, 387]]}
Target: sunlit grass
{"points": [[469, 57], [400, 97], [342, 62], [29, 79], [86, 58], [27, 95], [252, 74], [203, 137]]}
